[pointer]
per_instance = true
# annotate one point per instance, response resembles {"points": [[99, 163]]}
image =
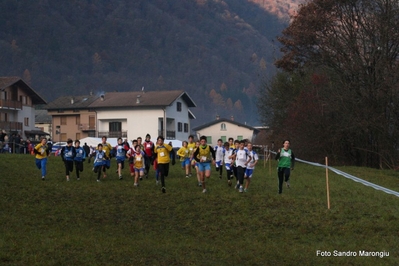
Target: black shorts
{"points": [[163, 169]]}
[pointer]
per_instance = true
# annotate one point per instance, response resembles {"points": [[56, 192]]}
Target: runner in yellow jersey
{"points": [[42, 151], [191, 148], [183, 153], [163, 152], [204, 155]]}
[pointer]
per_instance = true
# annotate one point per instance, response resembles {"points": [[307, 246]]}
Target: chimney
{"points": [[72, 101], [138, 99], [232, 118], [102, 97], [217, 117]]}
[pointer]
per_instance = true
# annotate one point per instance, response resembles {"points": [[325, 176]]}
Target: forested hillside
{"points": [[218, 51]]}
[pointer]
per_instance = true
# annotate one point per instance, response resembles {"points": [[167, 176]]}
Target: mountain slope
{"points": [[74, 47]]}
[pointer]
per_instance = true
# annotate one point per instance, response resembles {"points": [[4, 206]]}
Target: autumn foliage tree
{"points": [[339, 86]]}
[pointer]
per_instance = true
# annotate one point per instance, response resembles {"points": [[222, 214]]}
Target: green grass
{"points": [[113, 223]]}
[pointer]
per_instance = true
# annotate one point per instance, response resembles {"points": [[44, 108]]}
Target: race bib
{"points": [[138, 159], [162, 154], [148, 145], [203, 158]]}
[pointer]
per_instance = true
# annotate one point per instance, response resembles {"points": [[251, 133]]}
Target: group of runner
{"points": [[237, 157]]}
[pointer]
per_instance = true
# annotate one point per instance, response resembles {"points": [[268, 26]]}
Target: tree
{"points": [[217, 99], [355, 44], [223, 87], [27, 77], [262, 64], [161, 82], [229, 104], [97, 63]]}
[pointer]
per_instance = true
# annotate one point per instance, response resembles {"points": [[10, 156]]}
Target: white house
{"points": [[224, 129], [129, 114], [17, 112], [136, 114]]}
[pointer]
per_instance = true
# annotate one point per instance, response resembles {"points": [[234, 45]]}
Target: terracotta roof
{"points": [[6, 82], [72, 102], [224, 120], [141, 99]]}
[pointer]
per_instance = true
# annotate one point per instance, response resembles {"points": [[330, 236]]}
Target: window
{"points": [[23, 99], [26, 121], [63, 120], [77, 120], [223, 139], [179, 106], [239, 138], [63, 137], [4, 95], [209, 140], [115, 126], [179, 127], [77, 135], [92, 122], [223, 127], [3, 117], [185, 127]]}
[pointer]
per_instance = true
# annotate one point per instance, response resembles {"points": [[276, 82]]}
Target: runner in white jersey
{"points": [[228, 161], [251, 166], [242, 160], [219, 152]]}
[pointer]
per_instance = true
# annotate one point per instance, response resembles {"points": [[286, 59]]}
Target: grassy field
{"points": [[113, 223]]}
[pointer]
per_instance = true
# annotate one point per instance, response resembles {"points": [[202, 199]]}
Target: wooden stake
{"points": [[328, 189], [264, 156], [270, 163]]}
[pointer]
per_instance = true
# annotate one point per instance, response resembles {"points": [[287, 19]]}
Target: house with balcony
{"points": [[123, 114], [71, 117], [134, 114], [223, 128], [17, 112]]}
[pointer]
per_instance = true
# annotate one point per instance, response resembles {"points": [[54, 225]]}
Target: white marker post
{"points": [[270, 162], [264, 156], [328, 189]]}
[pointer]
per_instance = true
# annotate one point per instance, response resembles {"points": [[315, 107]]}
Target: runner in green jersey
{"points": [[286, 162]]}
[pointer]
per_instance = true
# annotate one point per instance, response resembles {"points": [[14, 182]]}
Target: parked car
{"points": [[57, 146]]}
